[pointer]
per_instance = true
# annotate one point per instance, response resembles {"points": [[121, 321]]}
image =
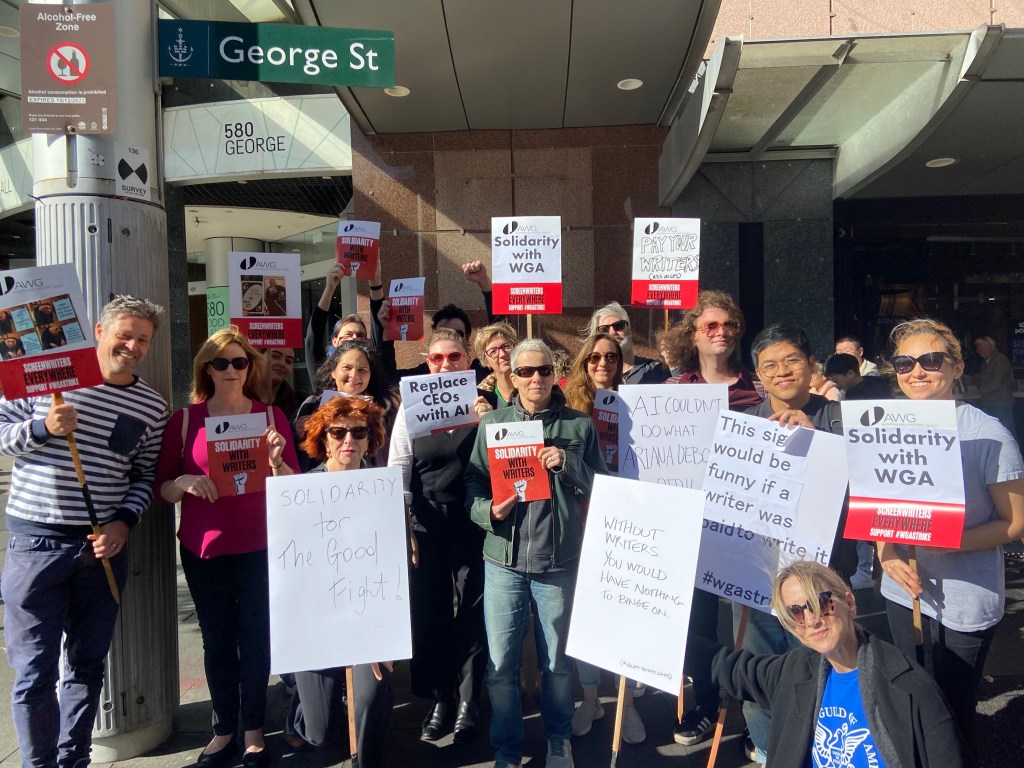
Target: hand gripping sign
{"points": [[238, 453], [405, 318], [906, 478], [264, 297], [666, 262], [358, 248], [526, 256], [512, 459]]}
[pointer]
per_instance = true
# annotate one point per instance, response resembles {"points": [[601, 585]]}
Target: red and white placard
{"points": [[264, 295], [666, 262], [526, 259]]}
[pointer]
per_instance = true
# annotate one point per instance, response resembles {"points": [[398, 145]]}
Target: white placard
{"points": [[634, 587], [790, 512], [265, 297], [666, 262], [526, 261], [339, 580], [665, 431], [439, 402]]}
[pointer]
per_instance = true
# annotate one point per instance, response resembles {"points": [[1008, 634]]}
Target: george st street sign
{"points": [[277, 53]]}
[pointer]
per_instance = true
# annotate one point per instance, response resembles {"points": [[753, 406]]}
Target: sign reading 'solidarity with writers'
{"points": [[238, 453], [666, 262], [46, 343], [512, 459], [439, 402], [277, 53], [263, 292], [605, 415], [358, 248], [906, 478], [405, 316], [526, 258]]}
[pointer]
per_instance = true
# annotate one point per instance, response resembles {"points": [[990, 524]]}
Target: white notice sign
{"points": [[635, 582], [439, 402], [339, 580]]}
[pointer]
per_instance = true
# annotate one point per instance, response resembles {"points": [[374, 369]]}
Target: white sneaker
{"points": [[585, 715], [633, 731], [503, 764], [639, 691], [559, 753]]}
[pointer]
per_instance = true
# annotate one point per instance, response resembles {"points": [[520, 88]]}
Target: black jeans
{"points": [[704, 623], [955, 659], [232, 602]]}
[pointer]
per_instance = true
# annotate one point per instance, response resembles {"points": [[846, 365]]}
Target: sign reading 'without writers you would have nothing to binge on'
{"points": [[665, 431], [339, 579], [774, 495], [632, 604], [666, 262], [405, 316], [238, 453], [265, 298], [512, 459], [526, 258], [438, 402], [906, 478], [358, 248], [46, 342]]}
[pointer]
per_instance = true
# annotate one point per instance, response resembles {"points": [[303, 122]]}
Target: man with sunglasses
{"points": [[613, 320], [53, 583], [531, 553], [840, 696]]}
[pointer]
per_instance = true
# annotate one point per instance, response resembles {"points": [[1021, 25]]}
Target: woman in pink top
{"points": [[224, 541]]}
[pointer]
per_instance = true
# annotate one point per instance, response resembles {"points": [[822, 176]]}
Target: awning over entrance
{"points": [[884, 106]]}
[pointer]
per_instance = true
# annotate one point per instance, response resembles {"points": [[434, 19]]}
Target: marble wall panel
{"points": [[554, 182], [472, 186]]}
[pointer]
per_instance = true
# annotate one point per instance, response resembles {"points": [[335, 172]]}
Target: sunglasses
{"points": [[358, 433], [618, 326], [595, 358], [221, 363], [438, 359], [929, 361], [825, 607], [493, 352], [729, 328], [527, 371]]}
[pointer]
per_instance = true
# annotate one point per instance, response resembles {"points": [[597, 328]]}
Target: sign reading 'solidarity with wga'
{"points": [[277, 53]]}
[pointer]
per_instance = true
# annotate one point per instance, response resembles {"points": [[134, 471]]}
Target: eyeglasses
{"points": [[594, 358], [493, 352], [929, 361], [438, 359], [618, 327], [793, 361], [351, 336], [729, 328], [527, 371], [338, 433], [825, 607], [221, 363]]}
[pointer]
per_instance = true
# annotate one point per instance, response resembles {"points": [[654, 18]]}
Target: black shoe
{"points": [[437, 722], [696, 726], [255, 759], [218, 758], [466, 728]]}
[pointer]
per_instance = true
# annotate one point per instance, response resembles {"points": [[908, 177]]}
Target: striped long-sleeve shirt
{"points": [[118, 435]]}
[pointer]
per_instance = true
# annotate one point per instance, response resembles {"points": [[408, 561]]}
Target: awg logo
{"points": [[507, 434], [608, 400], [515, 226], [223, 427], [9, 284], [348, 227], [651, 228], [251, 262], [878, 415]]}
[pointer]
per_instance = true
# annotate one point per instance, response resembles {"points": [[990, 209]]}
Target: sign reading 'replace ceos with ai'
{"points": [[277, 53]]}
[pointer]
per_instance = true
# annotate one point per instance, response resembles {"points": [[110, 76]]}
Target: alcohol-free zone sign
{"points": [[526, 257], [666, 262]]}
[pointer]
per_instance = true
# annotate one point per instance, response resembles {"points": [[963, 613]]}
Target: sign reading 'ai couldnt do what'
{"points": [[265, 299], [906, 478], [526, 257]]}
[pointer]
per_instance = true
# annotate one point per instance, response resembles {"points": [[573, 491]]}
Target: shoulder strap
{"points": [[184, 429]]}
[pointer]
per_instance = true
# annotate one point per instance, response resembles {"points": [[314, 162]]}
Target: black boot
{"points": [[466, 728], [437, 722]]}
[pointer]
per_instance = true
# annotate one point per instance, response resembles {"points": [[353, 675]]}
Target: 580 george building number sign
{"points": [[241, 139]]}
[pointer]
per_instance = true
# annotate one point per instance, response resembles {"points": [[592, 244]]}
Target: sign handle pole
{"points": [[918, 633], [529, 326], [58, 399], [617, 733], [353, 742], [681, 701], [720, 725], [667, 323]]}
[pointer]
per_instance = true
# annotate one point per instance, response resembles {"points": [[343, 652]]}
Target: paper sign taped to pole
{"points": [[238, 453], [666, 262], [264, 295], [526, 259], [405, 318]]}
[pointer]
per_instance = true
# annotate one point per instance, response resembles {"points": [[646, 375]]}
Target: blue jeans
{"points": [[508, 596], [764, 635], [590, 677], [53, 586]]}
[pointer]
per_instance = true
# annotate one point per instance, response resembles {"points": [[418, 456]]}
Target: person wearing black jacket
{"points": [[845, 697]]}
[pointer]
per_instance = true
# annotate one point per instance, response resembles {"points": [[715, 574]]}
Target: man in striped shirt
{"points": [[53, 583]]}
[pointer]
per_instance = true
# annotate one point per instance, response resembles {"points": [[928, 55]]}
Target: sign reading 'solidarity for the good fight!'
{"points": [[666, 262], [265, 300], [526, 257], [906, 478], [46, 341], [512, 459], [238, 453]]}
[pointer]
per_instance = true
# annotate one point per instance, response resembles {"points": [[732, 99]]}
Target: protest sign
{"points": [[526, 259], [339, 580], [238, 453], [606, 418], [264, 291], [512, 460], [46, 340], [666, 261], [358, 247], [906, 478], [631, 609], [665, 431], [439, 402], [405, 318], [774, 495]]}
